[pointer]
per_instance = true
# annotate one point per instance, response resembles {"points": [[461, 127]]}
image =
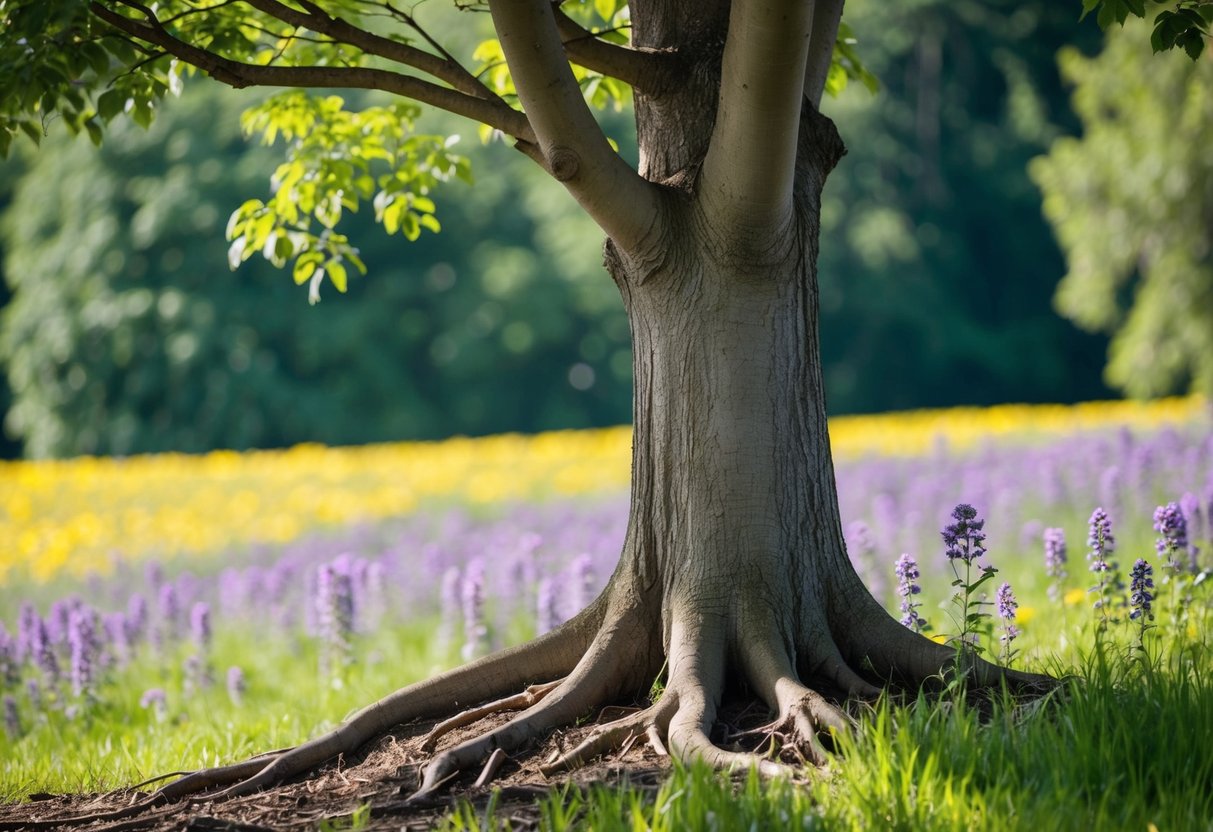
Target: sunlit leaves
{"points": [[1129, 202], [336, 160], [1186, 25], [846, 65]]}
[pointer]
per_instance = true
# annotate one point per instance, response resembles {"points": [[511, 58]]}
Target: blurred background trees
{"points": [[1132, 205], [126, 332]]}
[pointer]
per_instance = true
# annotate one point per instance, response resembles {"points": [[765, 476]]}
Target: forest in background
{"points": [[124, 330]]}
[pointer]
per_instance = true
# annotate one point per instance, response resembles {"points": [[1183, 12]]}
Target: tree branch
{"points": [[316, 19], [648, 70], [826, 16], [494, 113], [749, 167], [623, 203]]}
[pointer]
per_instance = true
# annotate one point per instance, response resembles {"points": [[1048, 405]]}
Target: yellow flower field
{"points": [[78, 516]]}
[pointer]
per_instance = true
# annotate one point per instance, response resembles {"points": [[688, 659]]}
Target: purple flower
{"points": [[1141, 581], [580, 585], [155, 700], [10, 667], [472, 596], [57, 619], [906, 569], [39, 647], [451, 580], [334, 612], [117, 633], [545, 606], [81, 639], [1189, 504], [136, 618], [963, 539], [1055, 559], [1100, 540], [170, 611], [1173, 534], [1007, 606], [1004, 601], [200, 625], [236, 685], [12, 719], [33, 692]]}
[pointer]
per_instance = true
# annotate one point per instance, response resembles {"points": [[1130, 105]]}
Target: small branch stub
{"points": [[563, 162]]}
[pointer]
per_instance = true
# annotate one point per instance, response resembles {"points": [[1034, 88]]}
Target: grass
{"points": [[1123, 745]]}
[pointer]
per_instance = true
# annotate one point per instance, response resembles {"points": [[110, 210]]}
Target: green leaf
{"points": [[304, 267], [337, 275], [606, 9], [1193, 43], [110, 104]]}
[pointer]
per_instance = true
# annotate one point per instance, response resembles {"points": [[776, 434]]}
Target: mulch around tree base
{"points": [[384, 775]]}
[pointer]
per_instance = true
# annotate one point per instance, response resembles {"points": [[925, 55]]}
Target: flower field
{"points": [[168, 612]]}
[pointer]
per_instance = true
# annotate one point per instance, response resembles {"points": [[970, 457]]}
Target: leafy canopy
{"points": [[87, 63]]}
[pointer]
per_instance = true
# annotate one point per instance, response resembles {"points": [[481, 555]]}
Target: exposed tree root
{"points": [[526, 699]]}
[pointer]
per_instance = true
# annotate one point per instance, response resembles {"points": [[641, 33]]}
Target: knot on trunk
{"points": [[563, 162], [819, 139]]}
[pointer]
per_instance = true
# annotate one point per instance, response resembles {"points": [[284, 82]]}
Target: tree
{"points": [[734, 568], [1131, 202]]}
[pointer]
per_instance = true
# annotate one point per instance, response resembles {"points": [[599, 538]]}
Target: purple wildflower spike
{"points": [[136, 619], [1100, 540], [10, 667], [170, 611], [906, 569], [451, 581], [12, 718], [200, 626], [472, 596], [81, 639], [1141, 581], [1055, 559], [334, 613], [545, 606], [963, 539], [1172, 528], [1007, 607]]}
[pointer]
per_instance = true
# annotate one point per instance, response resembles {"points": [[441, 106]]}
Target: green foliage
{"points": [[936, 267], [56, 58], [1130, 202], [337, 159], [1186, 24], [127, 332]]}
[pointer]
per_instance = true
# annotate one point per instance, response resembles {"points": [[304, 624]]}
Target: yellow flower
{"points": [[1024, 614], [1074, 596], [79, 515]]}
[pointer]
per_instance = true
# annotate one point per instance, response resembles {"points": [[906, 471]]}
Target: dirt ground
{"points": [[384, 775]]}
